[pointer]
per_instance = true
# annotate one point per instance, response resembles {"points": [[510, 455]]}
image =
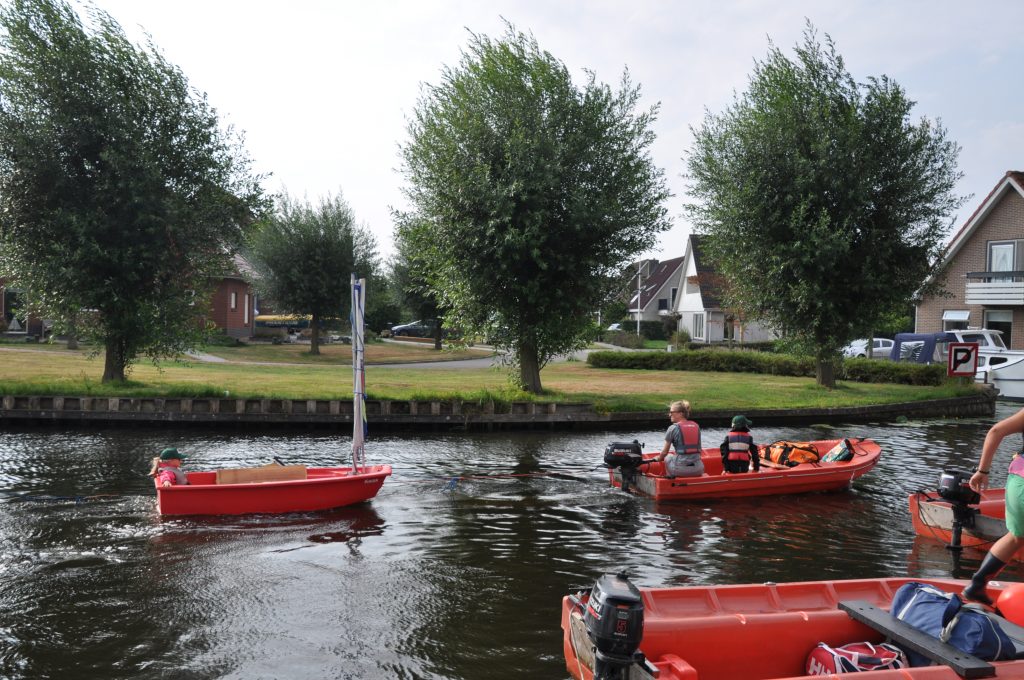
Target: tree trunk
{"points": [[73, 332], [438, 334], [114, 360], [529, 369], [314, 338], [826, 373], [870, 353]]}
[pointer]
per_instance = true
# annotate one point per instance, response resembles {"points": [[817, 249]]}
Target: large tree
{"points": [[120, 194], [304, 255], [824, 204], [529, 193], [410, 277]]}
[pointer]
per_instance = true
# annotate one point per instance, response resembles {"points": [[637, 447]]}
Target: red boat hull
{"points": [[802, 478], [933, 518], [756, 631], [323, 489]]}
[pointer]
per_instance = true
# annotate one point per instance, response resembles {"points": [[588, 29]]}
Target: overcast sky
{"points": [[323, 89]]}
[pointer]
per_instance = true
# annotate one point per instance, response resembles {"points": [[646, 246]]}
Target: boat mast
{"points": [[358, 375]]}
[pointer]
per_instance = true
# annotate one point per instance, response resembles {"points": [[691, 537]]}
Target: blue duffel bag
{"points": [[945, 616]]}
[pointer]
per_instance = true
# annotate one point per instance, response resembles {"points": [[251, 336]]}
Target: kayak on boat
{"points": [[641, 474], [756, 631]]}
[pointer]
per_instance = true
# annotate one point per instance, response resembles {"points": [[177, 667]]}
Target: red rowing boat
{"points": [[650, 479], [319, 489], [747, 632], [981, 524]]}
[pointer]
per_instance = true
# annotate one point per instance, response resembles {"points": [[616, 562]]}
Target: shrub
{"points": [[681, 338], [624, 339], [739, 361]]}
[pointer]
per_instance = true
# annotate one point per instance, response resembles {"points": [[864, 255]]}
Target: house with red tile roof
{"points": [[699, 305], [983, 273]]}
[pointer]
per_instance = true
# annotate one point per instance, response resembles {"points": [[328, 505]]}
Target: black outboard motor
{"points": [[627, 457], [954, 486], [615, 625]]}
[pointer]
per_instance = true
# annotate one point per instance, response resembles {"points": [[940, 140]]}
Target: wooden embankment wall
{"points": [[69, 410]]}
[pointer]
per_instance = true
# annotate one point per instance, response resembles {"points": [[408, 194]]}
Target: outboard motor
{"points": [[627, 457], [615, 625], [954, 486]]}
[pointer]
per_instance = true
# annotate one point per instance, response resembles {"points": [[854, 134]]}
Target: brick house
{"points": [[233, 307], [984, 269]]}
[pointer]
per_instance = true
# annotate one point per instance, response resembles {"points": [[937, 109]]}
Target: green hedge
{"points": [[740, 361]]}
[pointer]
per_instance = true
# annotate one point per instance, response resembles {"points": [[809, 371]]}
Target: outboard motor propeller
{"points": [[627, 457], [954, 486], [614, 619]]}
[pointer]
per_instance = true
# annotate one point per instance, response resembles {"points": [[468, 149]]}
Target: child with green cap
{"points": [[167, 468], [739, 450]]}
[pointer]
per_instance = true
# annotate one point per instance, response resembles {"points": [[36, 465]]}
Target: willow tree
{"points": [[824, 204], [304, 255], [529, 193], [121, 198]]}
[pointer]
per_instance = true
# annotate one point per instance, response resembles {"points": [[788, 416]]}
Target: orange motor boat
{"points": [[647, 476], [751, 632], [957, 516]]}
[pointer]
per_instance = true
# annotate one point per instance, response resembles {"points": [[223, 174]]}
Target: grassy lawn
{"points": [[25, 371], [338, 353]]}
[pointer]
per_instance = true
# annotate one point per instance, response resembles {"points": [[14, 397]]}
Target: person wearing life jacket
{"points": [[738, 449], [683, 438], [1012, 543], [166, 468]]}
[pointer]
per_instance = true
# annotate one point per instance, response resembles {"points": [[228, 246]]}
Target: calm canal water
{"points": [[433, 579]]}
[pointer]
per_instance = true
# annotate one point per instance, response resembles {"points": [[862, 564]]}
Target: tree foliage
{"points": [[411, 279], [304, 256], [825, 206], [119, 193], [529, 193]]}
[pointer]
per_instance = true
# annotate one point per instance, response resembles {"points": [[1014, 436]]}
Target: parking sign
{"points": [[963, 359]]}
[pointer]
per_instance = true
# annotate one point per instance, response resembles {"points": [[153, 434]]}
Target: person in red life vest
{"points": [[167, 468], [683, 436], [738, 449], [1011, 544]]}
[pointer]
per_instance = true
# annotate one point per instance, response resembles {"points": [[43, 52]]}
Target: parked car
{"points": [[615, 327], [415, 329], [880, 348]]}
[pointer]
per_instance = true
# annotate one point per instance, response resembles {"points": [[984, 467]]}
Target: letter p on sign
{"points": [[963, 359]]}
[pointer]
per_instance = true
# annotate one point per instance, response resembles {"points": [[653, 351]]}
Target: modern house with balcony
{"points": [[984, 270]]}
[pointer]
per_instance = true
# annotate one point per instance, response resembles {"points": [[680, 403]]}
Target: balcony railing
{"points": [[995, 288]]}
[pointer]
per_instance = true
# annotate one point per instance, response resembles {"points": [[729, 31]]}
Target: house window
{"points": [[698, 326], [245, 309], [1000, 320], [234, 301], [955, 319], [1001, 258], [674, 291], [662, 304]]}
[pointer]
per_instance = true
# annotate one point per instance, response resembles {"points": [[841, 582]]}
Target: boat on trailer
{"points": [[643, 475], [754, 631], [280, 488], [999, 366]]}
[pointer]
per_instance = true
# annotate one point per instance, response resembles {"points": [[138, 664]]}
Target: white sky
{"points": [[322, 89]]}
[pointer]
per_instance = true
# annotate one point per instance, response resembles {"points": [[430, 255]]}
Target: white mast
{"points": [[358, 375]]}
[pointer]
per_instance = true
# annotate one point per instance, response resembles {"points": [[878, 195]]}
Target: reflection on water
{"points": [[455, 570]]}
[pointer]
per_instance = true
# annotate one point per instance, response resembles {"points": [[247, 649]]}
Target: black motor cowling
{"points": [[623, 455], [615, 625], [954, 486]]}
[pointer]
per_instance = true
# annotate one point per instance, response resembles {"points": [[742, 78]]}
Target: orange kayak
{"points": [[318, 489], [751, 632], [651, 481]]}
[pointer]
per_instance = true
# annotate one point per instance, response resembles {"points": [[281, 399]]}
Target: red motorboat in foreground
{"points": [[749, 632], [648, 478]]}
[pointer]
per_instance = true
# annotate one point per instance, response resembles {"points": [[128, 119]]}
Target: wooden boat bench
{"points": [[269, 473], [905, 635]]}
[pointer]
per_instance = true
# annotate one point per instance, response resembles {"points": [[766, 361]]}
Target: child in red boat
{"points": [[739, 450], [167, 468]]}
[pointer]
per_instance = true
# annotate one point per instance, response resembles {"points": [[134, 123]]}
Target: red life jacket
{"points": [[691, 436], [741, 444]]}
